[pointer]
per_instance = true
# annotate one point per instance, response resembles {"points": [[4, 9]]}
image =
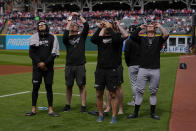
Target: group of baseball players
{"points": [[142, 56]]}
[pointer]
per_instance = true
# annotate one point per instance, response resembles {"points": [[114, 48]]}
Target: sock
{"points": [[137, 108], [152, 109]]}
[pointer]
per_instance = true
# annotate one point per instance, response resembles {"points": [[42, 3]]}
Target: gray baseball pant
{"points": [[145, 75], [133, 72]]}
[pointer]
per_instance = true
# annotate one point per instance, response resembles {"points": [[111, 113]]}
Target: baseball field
{"points": [[15, 98]]}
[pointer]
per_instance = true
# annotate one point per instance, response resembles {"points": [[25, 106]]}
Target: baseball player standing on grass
{"points": [[44, 47], [116, 26], [75, 59], [109, 66], [132, 54], [149, 65]]}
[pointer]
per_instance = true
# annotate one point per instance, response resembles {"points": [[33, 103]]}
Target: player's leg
{"points": [[48, 79], [108, 101], [133, 72], [99, 103], [83, 98], [99, 86], [119, 90], [36, 80], [113, 82], [81, 82], [114, 103], [153, 86], [141, 83], [120, 96], [69, 79]]}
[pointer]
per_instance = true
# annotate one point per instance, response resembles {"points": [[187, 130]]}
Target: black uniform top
{"points": [[109, 49], [150, 50], [43, 52], [75, 45], [132, 52]]}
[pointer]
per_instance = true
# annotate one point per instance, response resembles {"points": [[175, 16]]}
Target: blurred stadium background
{"points": [[21, 16]]}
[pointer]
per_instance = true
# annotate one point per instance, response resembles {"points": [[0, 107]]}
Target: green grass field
{"points": [[13, 108]]}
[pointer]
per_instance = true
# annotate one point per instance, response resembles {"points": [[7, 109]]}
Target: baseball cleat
{"points": [[155, 116], [131, 103], [134, 115]]}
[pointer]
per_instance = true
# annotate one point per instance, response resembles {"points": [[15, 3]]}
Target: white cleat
{"points": [[132, 103]]}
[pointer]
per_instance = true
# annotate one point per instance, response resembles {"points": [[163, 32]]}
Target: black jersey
{"points": [[109, 49], [43, 52], [150, 50], [75, 45], [132, 52]]}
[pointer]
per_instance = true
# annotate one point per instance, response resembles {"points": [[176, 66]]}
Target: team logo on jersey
{"points": [[44, 42], [75, 41], [150, 41], [107, 40]]}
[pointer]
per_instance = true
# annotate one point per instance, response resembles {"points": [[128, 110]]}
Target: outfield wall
{"points": [[21, 42], [175, 43]]}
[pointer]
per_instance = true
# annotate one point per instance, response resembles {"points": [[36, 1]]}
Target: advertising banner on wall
{"points": [[17, 42]]}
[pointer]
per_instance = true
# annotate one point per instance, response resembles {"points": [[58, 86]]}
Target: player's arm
{"points": [[80, 16], [66, 32], [50, 59], [65, 37], [53, 54], [115, 36], [103, 27], [83, 20], [102, 32], [126, 51], [165, 33], [135, 35], [69, 22], [123, 32], [96, 38], [85, 23], [33, 54]]}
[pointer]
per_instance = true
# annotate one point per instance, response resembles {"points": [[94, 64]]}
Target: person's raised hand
{"points": [[143, 26], [74, 14]]}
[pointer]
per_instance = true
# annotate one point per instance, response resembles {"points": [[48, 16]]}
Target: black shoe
{"points": [[134, 115], [155, 116], [30, 113], [105, 113], [94, 113], [54, 114], [67, 108], [83, 109]]}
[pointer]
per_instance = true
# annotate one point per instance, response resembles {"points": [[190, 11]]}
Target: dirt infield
{"points": [[13, 69], [183, 116]]}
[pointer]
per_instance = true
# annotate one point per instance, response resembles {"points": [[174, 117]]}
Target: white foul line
{"points": [[14, 94], [19, 93], [59, 93]]}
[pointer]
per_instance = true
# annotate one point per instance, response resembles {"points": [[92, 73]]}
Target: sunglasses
{"points": [[42, 23]]}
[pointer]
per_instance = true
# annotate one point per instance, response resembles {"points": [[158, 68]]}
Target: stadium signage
{"points": [[17, 42]]}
